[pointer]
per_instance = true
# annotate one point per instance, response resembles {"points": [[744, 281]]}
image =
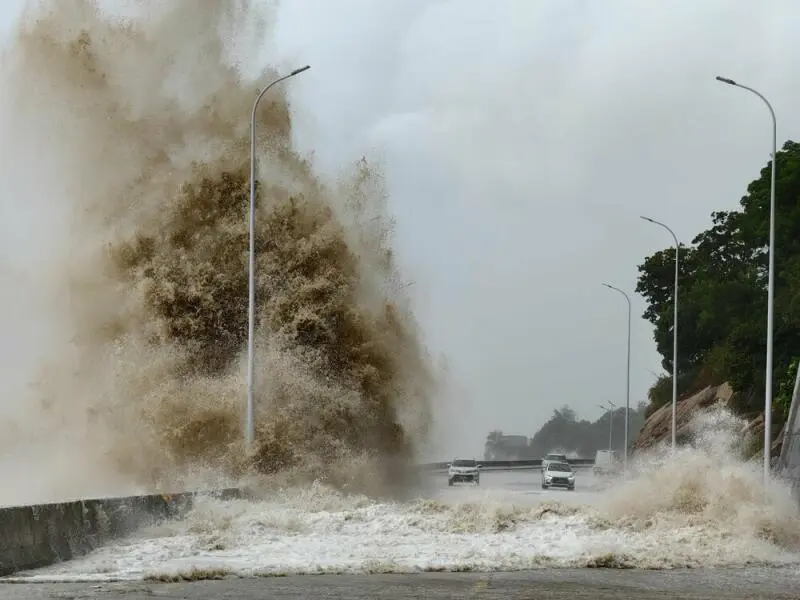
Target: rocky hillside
{"points": [[658, 428]]}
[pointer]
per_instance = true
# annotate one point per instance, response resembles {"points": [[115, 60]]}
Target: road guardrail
{"points": [[507, 464]]}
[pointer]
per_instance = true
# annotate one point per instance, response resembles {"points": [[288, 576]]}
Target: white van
{"points": [[606, 462]]}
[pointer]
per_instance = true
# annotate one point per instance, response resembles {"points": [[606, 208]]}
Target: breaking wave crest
{"points": [[141, 125], [702, 507]]}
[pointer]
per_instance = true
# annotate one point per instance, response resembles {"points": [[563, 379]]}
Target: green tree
{"points": [[723, 281], [783, 396], [564, 431]]}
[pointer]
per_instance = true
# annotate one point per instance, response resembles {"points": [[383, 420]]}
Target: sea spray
{"points": [[142, 123]]}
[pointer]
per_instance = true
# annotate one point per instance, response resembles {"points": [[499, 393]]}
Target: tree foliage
{"points": [[564, 432], [785, 391], [723, 293]]}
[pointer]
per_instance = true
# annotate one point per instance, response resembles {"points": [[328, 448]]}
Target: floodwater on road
{"points": [[671, 517]]}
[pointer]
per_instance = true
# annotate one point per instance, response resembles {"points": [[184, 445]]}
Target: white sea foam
{"points": [[701, 507]]}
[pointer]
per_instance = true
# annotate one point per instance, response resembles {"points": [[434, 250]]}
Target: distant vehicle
{"points": [[606, 462], [558, 474], [549, 458], [464, 469]]}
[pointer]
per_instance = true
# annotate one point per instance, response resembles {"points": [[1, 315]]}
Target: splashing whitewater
{"points": [[702, 507], [142, 124]]}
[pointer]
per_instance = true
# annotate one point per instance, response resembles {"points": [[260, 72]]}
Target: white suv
{"points": [[462, 469], [558, 475]]}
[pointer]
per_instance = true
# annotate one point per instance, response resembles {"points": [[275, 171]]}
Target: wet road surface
{"points": [[554, 584], [573, 584]]}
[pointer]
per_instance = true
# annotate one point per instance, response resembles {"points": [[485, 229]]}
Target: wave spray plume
{"points": [[142, 123]]}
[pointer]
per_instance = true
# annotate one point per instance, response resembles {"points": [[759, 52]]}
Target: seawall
{"points": [[37, 536]]}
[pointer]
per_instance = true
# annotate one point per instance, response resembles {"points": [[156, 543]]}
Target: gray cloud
{"points": [[521, 141]]}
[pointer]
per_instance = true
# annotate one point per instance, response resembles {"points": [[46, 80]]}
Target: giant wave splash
{"points": [[140, 123]]}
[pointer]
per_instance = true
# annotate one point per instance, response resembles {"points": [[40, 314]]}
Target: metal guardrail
{"points": [[789, 459], [508, 464]]}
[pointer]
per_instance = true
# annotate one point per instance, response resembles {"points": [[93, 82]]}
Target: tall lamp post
{"points": [[674, 335], [770, 280], [251, 309], [627, 379]]}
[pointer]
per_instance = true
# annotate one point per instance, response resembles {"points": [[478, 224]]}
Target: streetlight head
{"points": [[725, 80], [300, 70], [647, 219], [606, 285]]}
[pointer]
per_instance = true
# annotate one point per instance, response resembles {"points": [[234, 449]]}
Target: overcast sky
{"points": [[521, 141]]}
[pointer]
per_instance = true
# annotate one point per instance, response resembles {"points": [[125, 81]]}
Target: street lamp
{"points": [[251, 312], [610, 423], [674, 334], [627, 378], [770, 279]]}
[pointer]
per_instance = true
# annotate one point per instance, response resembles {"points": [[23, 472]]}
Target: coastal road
{"points": [[554, 584], [551, 584], [523, 483]]}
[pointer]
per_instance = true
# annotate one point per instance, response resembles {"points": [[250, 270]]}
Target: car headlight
{"points": [[571, 476], [547, 478]]}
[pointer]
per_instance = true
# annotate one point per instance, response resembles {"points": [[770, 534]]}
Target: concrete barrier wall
{"points": [[37, 536]]}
